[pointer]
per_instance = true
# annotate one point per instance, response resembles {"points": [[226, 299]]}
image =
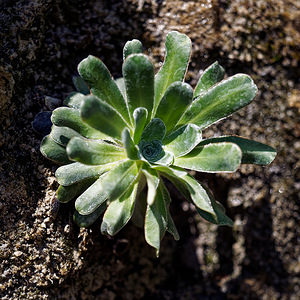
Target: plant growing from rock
{"points": [[118, 139]]}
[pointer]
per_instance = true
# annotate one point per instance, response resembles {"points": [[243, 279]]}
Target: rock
{"points": [[256, 258], [52, 102], [6, 91], [42, 123]]}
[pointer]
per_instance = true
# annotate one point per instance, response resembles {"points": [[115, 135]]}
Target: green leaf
{"points": [[132, 47], [220, 101], [70, 117], [62, 135], [140, 117], [138, 73], [220, 216], [131, 148], [156, 220], [88, 220], [80, 85], [198, 195], [109, 186], [155, 130], [171, 171], [121, 85], [183, 140], [138, 217], [152, 183], [171, 228], [53, 151], [176, 99], [67, 193], [166, 159], [119, 211], [74, 100], [193, 191], [212, 75], [175, 175], [252, 152], [97, 76], [212, 158], [102, 117], [75, 172], [216, 214], [178, 51], [93, 152]]}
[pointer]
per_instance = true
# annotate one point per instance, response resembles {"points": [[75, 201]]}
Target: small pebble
{"points": [[42, 123], [18, 253], [52, 102]]}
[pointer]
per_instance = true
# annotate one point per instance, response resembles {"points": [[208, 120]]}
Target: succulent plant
{"points": [[118, 139]]}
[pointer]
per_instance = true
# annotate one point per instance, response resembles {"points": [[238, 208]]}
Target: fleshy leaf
{"points": [[102, 85], [88, 220], [80, 85], [220, 101], [167, 159], [140, 117], [212, 158], [138, 217], [138, 73], [74, 100], [152, 183], [75, 172], [156, 220], [183, 140], [176, 99], [193, 191], [212, 75], [53, 151], [93, 152], [131, 148], [121, 85], [62, 135], [102, 117], [252, 152], [70, 117], [171, 228], [198, 195], [110, 186], [221, 218], [67, 193], [119, 211], [155, 130], [171, 171], [132, 47], [178, 51], [218, 215]]}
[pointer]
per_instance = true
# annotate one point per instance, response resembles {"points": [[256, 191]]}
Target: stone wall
{"points": [[45, 256]]}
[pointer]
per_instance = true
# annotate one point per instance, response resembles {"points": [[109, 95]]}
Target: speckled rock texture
{"points": [[43, 255]]}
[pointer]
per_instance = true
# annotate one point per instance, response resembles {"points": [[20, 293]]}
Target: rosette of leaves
{"points": [[118, 139]]}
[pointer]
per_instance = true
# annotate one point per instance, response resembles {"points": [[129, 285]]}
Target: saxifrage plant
{"points": [[118, 139]]}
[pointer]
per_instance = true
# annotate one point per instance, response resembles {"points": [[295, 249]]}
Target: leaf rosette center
{"points": [[152, 151]]}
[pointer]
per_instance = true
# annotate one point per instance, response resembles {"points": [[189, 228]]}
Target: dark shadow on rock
{"points": [[262, 259], [185, 278], [262, 264]]}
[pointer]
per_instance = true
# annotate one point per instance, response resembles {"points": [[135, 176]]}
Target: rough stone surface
{"points": [[44, 256]]}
